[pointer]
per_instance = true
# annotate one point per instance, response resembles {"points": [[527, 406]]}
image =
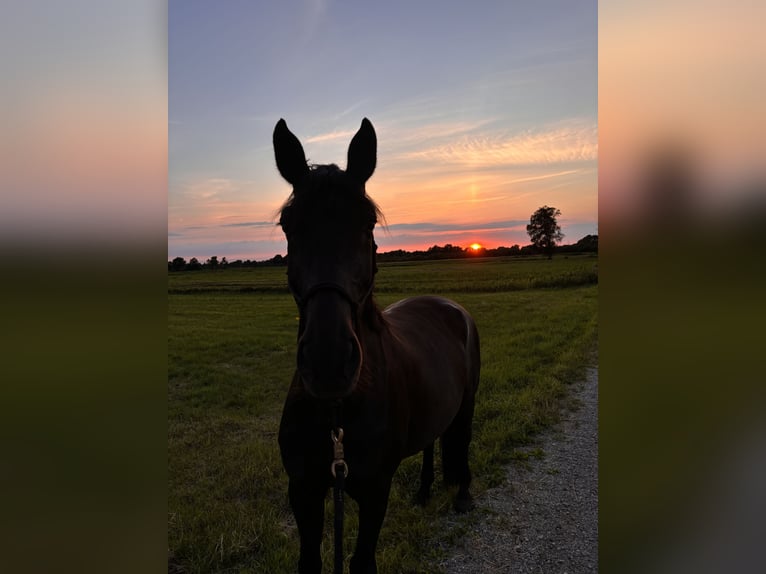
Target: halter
{"points": [[302, 300]]}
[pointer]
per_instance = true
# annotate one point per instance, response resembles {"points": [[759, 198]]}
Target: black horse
{"points": [[400, 378]]}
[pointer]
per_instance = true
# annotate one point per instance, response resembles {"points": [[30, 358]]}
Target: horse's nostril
{"points": [[352, 363]]}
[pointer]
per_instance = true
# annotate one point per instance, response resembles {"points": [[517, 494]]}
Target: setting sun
{"points": [[475, 246]]}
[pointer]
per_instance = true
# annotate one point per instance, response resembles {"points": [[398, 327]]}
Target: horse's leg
{"points": [[372, 501], [307, 502], [455, 442], [426, 476]]}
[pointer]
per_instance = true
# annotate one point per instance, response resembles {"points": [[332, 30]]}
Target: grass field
{"points": [[232, 336]]}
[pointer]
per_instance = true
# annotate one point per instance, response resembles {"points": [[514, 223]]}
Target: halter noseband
{"points": [[302, 300]]}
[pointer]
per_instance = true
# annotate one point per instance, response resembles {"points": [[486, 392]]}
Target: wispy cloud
{"points": [[435, 131], [430, 228], [544, 176], [568, 142], [330, 136], [249, 224], [214, 226], [349, 109], [210, 189], [474, 200]]}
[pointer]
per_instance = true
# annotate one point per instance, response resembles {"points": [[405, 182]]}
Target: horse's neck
{"points": [[370, 331], [371, 317]]}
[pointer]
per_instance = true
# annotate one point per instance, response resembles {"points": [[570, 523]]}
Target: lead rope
{"points": [[339, 470]]}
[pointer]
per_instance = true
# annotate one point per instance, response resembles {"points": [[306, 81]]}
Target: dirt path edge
{"points": [[544, 518]]}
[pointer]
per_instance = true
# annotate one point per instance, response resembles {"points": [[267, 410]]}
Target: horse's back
{"points": [[435, 344], [432, 323]]}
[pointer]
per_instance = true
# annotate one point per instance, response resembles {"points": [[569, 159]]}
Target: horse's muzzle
{"points": [[329, 370]]}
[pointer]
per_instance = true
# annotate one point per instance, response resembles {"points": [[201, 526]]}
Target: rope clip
{"points": [[337, 440]]}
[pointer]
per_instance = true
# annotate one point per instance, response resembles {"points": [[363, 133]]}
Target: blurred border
{"points": [[682, 203], [83, 242]]}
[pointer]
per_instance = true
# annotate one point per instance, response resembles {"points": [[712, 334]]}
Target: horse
{"points": [[394, 380]]}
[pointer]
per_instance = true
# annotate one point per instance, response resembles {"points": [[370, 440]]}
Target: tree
{"points": [[544, 231], [178, 264]]}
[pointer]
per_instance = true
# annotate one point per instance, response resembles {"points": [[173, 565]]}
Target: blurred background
{"points": [[83, 186], [83, 207], [682, 207]]}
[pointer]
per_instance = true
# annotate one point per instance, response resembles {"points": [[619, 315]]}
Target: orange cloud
{"points": [[570, 142]]}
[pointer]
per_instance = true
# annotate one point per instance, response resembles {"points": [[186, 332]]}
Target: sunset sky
{"points": [[483, 111]]}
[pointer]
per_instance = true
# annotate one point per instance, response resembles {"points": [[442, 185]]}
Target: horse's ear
{"points": [[291, 160], [362, 153]]}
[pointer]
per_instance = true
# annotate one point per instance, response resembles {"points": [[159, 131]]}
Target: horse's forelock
{"points": [[322, 180]]}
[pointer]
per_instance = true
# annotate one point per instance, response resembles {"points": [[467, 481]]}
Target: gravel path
{"points": [[544, 519]]}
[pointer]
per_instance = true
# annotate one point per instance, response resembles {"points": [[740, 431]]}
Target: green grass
{"points": [[231, 356], [471, 275]]}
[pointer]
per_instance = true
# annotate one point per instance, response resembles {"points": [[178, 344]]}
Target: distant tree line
{"points": [[180, 264], [588, 244]]}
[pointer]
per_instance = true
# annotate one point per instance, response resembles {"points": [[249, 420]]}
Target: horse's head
{"points": [[328, 220]]}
